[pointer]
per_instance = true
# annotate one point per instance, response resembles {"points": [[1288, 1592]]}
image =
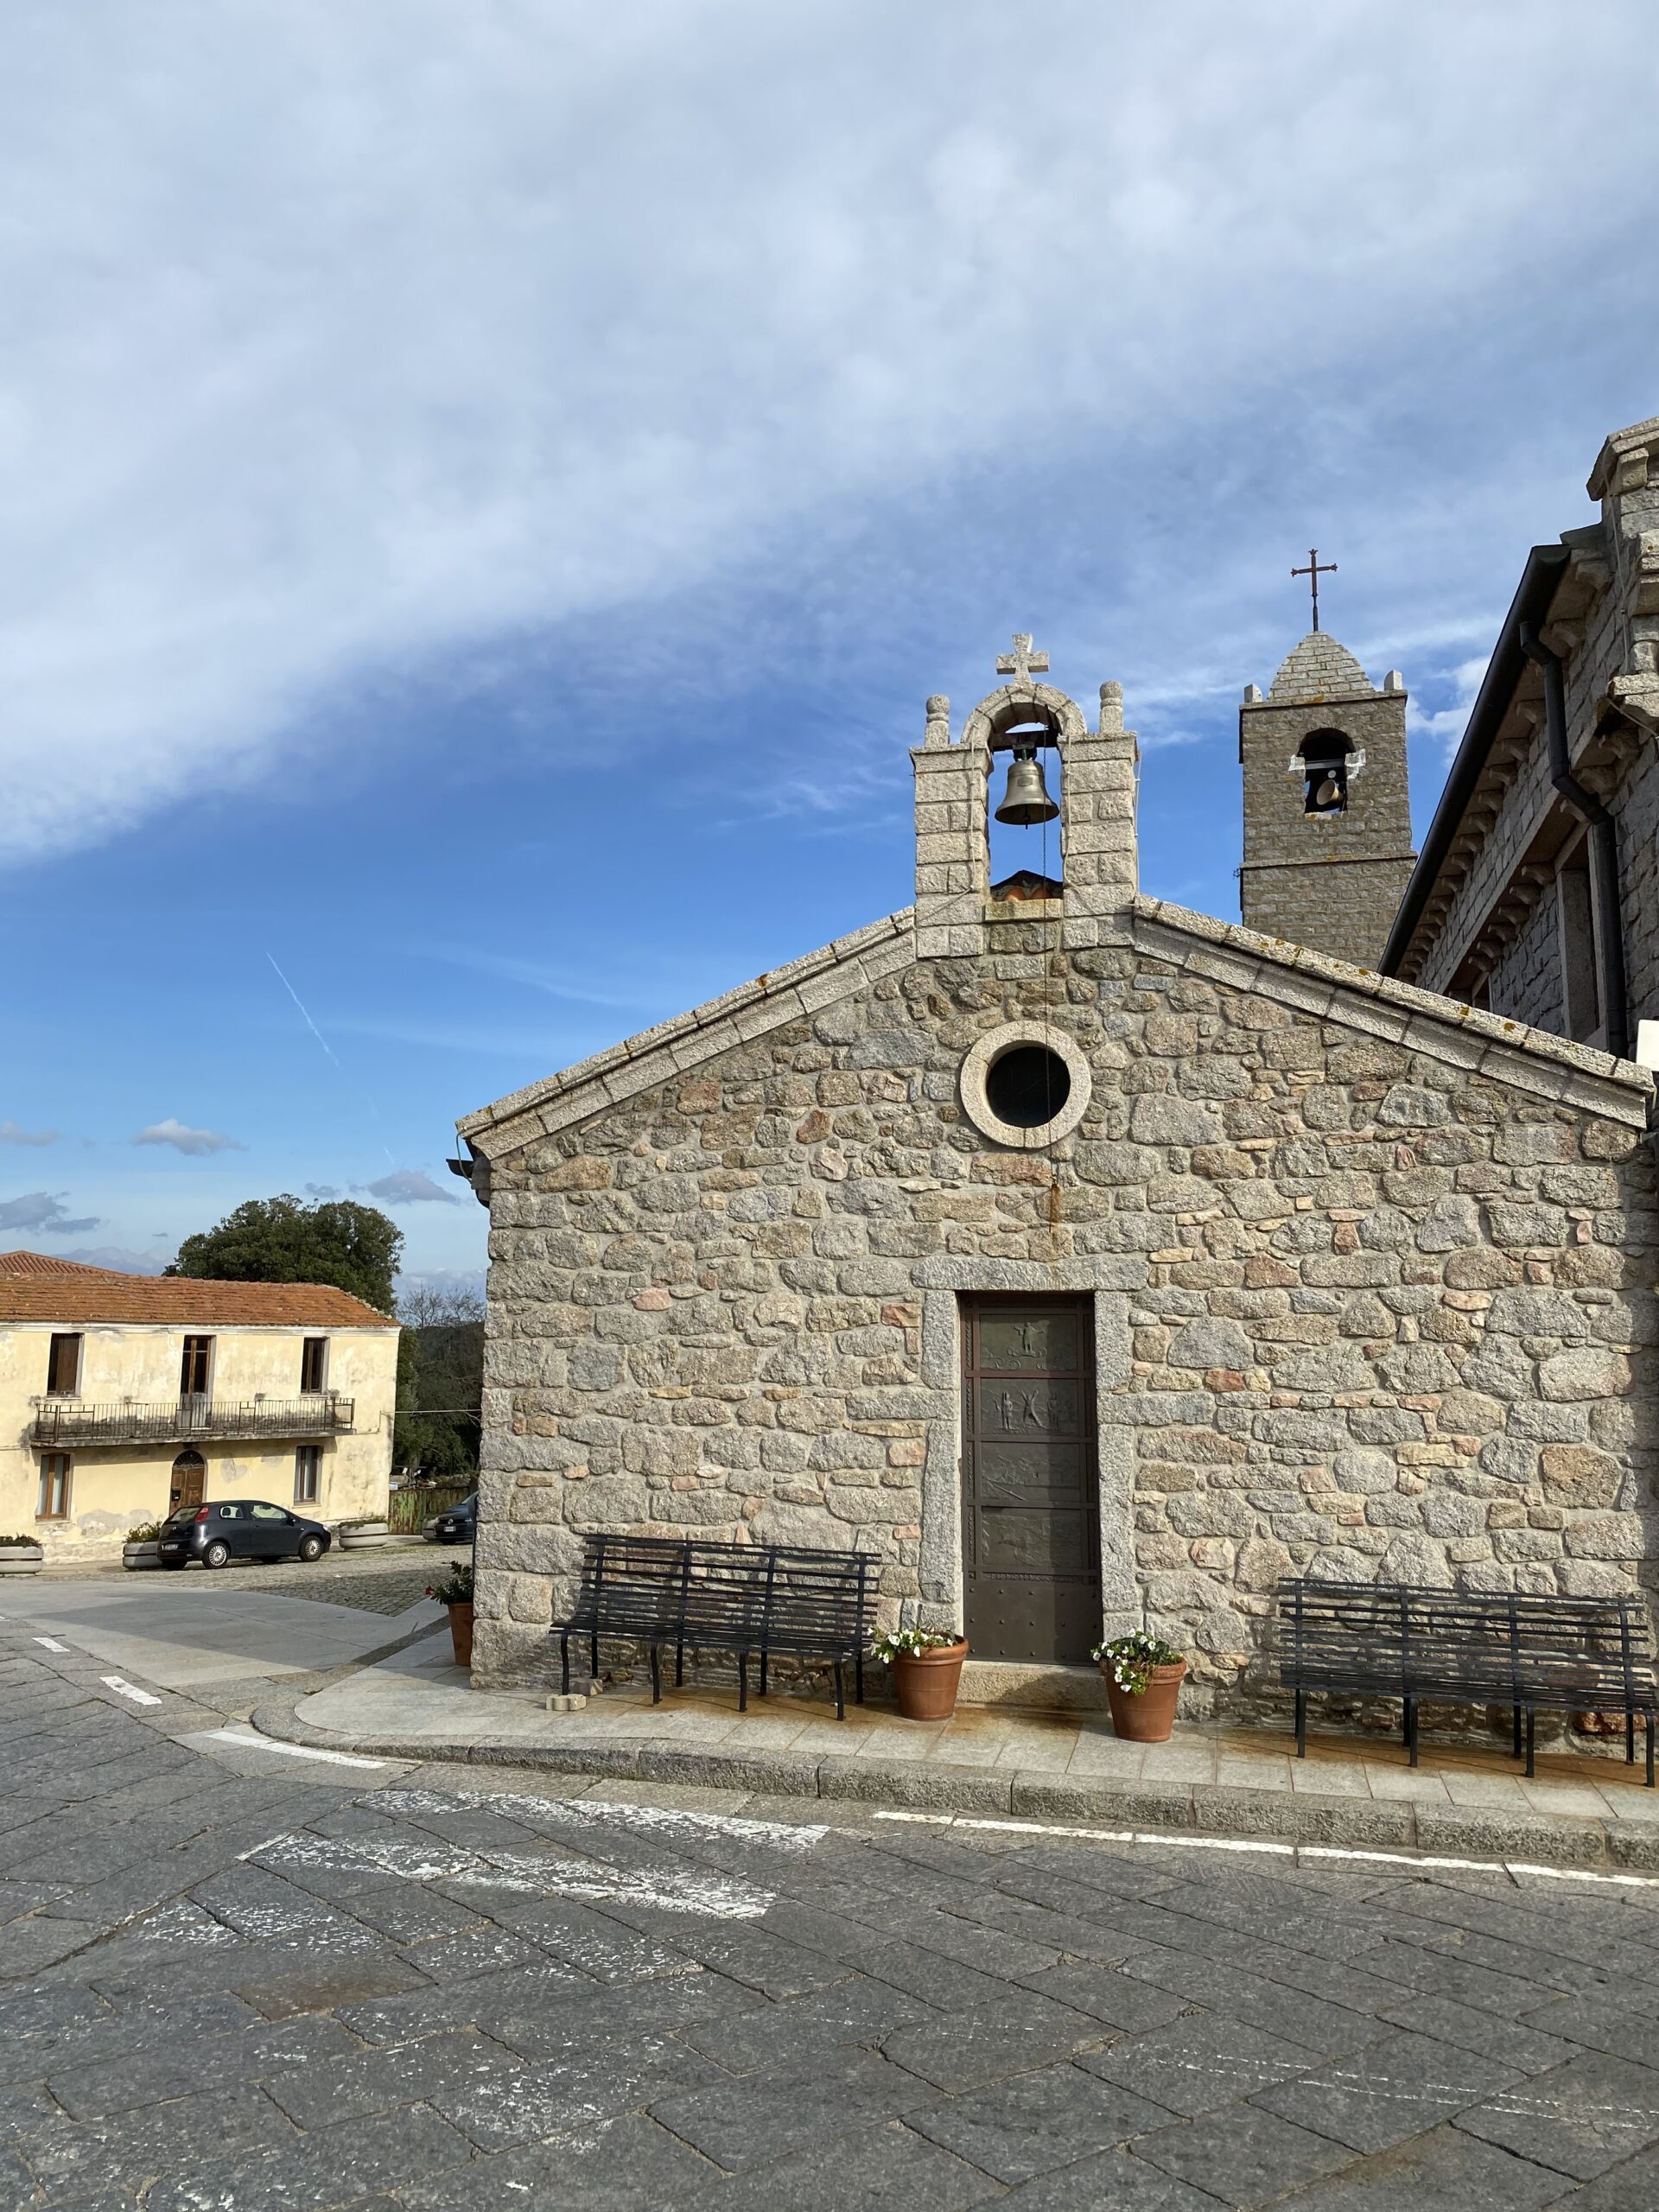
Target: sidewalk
{"points": [[1352, 1791]]}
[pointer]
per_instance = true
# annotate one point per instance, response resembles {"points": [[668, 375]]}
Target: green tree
{"points": [[440, 1382], [282, 1240]]}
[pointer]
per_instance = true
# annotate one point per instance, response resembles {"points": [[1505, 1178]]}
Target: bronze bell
{"points": [[1027, 798]]}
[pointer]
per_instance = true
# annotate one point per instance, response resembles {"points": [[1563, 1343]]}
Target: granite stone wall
{"points": [[1361, 1308], [1527, 984]]}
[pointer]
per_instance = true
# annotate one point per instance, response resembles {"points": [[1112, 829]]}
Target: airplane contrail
{"points": [[306, 1017]]}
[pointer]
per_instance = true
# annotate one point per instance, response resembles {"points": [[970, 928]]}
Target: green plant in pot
{"points": [[1143, 1680], [926, 1669], [456, 1591]]}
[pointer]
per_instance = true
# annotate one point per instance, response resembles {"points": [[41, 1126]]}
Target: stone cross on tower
{"points": [[1022, 664]]}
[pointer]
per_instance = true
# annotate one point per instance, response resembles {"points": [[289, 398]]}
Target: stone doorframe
{"points": [[1110, 1283]]}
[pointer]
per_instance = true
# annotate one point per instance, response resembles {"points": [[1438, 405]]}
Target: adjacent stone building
{"points": [[1537, 894], [1085, 1260]]}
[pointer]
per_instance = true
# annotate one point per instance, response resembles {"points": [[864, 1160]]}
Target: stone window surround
{"points": [[940, 1569], [977, 1066]]}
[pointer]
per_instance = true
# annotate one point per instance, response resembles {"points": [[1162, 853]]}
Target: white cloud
{"points": [[342, 338], [1445, 725], [408, 1186], [196, 1142], [42, 1209], [10, 1134]]}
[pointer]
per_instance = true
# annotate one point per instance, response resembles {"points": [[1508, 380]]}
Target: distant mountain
{"points": [[117, 1256]]}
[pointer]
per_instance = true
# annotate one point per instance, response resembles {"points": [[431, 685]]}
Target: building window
{"points": [[196, 1368], [1024, 1085], [307, 1473], [52, 1501], [313, 1365], [63, 1368], [1576, 913]]}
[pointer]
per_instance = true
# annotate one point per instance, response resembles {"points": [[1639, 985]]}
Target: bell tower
{"points": [[1022, 726], [1327, 814]]}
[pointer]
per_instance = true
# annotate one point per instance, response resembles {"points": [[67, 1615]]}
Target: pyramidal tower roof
{"points": [[1319, 667]]}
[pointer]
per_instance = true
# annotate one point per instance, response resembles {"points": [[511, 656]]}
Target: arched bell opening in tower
{"points": [[1325, 771], [1025, 800]]}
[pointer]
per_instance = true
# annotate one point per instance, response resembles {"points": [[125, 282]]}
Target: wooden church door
{"points": [[1030, 1485]]}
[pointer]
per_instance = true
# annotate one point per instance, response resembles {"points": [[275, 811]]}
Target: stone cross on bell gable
{"points": [[1022, 664]]}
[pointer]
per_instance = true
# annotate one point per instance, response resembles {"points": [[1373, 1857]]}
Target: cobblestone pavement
{"points": [[232, 1978]]}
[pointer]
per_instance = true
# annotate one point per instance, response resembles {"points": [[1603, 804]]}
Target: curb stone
{"points": [[1210, 1808]]}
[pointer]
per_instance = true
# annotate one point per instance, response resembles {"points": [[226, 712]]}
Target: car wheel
{"points": [[310, 1549], [217, 1555]]}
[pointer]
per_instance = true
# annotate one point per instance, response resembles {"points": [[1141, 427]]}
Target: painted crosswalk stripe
{"points": [[289, 1751], [51, 1643], [124, 1688], [1258, 1847]]}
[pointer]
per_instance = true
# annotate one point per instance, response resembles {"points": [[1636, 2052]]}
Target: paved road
{"points": [[199, 1630], [232, 1978]]}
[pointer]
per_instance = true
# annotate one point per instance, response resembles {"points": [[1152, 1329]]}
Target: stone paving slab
{"points": [[1061, 1766]]}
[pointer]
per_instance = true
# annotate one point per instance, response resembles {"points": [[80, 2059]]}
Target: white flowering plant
{"points": [[906, 1643], [1130, 1659]]}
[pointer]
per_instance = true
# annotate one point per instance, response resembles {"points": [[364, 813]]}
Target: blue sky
{"points": [[488, 492]]}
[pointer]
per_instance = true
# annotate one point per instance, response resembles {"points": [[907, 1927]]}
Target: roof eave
{"points": [[1546, 566]]}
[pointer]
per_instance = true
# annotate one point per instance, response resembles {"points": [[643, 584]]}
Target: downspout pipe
{"points": [[1604, 845]]}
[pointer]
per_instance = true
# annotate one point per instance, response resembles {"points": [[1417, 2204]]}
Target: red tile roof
{"points": [[43, 1263], [62, 1292]]}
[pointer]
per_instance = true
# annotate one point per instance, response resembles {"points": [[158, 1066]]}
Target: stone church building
{"points": [[1086, 1260]]}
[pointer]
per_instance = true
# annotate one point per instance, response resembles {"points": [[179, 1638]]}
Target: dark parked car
{"points": [[456, 1524], [246, 1529]]}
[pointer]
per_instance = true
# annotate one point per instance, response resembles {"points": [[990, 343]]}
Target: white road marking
{"points": [[139, 1697], [655, 1820], [697, 1890], [1298, 1851], [289, 1751], [51, 1643]]}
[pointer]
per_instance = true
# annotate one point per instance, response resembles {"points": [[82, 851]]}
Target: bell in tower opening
{"points": [[1026, 801]]}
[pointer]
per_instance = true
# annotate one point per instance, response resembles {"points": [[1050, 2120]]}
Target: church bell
{"points": [[1026, 799]]}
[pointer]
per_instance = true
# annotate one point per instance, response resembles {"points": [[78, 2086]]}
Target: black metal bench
{"points": [[1467, 1647], [755, 1600]]}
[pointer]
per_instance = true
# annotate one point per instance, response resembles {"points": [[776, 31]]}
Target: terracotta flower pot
{"points": [[925, 1682], [460, 1632], [1149, 1717]]}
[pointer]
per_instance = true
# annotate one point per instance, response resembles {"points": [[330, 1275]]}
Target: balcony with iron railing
{"points": [[64, 1423]]}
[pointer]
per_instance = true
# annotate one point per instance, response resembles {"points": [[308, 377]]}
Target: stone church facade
{"points": [[1085, 1260]]}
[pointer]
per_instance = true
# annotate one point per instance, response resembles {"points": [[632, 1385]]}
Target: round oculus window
{"points": [[1027, 1085]]}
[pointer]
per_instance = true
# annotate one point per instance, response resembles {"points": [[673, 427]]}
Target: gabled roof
{"points": [[1317, 669], [1540, 579], [97, 1295], [47, 1263], [1508, 1051]]}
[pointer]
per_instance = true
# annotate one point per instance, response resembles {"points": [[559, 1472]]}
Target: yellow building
{"points": [[122, 1396]]}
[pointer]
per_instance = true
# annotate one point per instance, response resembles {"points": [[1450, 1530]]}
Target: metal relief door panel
{"points": [[1031, 1513]]}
